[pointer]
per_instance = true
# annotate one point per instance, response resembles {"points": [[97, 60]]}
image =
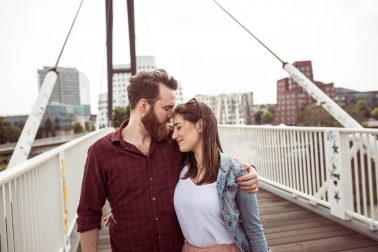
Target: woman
{"points": [[213, 213]]}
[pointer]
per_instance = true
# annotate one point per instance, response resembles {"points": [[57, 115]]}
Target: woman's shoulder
{"points": [[183, 172], [229, 165]]}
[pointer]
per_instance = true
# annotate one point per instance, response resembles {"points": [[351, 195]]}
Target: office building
{"points": [[69, 102], [231, 108], [292, 98]]}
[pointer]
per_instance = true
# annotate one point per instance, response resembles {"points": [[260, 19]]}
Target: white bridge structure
{"points": [[332, 171]]}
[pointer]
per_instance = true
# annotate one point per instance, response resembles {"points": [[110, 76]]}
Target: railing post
{"points": [[338, 173], [67, 245]]}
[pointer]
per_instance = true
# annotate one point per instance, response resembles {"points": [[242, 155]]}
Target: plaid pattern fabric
{"points": [[139, 189]]}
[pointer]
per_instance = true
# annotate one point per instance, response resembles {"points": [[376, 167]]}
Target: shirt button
{"points": [[153, 198], [156, 218], [151, 179], [159, 237]]}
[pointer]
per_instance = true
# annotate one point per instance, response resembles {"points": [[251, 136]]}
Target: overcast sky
{"points": [[194, 40]]}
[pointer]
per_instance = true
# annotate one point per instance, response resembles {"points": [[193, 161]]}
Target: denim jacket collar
{"points": [[226, 167]]}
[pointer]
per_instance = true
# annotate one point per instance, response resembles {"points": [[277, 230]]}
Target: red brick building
{"points": [[291, 98]]}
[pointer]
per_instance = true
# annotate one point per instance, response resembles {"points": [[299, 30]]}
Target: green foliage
{"points": [[359, 111], [362, 109], [78, 128], [314, 115], [120, 114], [258, 115], [4, 160], [374, 113], [271, 109], [266, 117], [89, 126], [3, 167], [8, 132]]}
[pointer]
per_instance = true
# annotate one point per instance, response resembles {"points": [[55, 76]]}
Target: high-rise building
{"points": [[120, 82], [234, 108], [71, 87], [292, 98], [69, 102]]}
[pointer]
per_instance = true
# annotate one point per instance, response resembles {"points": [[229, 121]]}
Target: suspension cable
{"points": [[69, 32], [258, 40]]}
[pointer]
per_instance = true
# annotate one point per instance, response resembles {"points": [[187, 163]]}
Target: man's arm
{"points": [[92, 199], [89, 240], [250, 181]]}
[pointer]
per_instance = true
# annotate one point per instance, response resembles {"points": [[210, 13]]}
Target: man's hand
{"points": [[250, 181]]}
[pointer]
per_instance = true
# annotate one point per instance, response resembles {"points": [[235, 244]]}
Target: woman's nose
{"points": [[174, 135]]}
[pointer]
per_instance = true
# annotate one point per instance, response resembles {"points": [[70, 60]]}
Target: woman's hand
{"points": [[108, 219]]}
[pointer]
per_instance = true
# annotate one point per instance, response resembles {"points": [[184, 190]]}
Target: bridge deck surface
{"points": [[289, 227]]}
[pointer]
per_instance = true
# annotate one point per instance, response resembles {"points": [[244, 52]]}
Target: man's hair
{"points": [[145, 85]]}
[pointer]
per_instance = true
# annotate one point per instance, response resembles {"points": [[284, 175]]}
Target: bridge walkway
{"points": [[289, 227]]}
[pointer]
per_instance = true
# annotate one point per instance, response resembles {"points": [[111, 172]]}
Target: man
{"points": [[136, 169]]}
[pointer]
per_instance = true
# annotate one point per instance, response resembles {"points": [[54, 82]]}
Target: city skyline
{"points": [[194, 40]]}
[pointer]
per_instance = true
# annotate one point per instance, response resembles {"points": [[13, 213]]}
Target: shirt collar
{"points": [[117, 134]]}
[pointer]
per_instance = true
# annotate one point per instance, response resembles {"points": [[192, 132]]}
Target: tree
{"points": [[362, 108], [120, 114], [266, 117], [49, 128], [271, 109], [314, 115], [359, 111], [8, 132], [374, 113], [258, 115], [78, 128]]}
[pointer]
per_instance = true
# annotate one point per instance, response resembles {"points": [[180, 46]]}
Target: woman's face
{"points": [[186, 134]]}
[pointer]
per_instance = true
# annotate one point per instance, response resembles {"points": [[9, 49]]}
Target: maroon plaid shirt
{"points": [[139, 189]]}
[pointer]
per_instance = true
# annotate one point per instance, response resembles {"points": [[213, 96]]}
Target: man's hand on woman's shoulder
{"points": [[250, 181]]}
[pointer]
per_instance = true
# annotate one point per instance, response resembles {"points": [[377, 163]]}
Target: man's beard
{"points": [[158, 131]]}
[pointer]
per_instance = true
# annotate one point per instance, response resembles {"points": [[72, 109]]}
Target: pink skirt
{"points": [[221, 248]]}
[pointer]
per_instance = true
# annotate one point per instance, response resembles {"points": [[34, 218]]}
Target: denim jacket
{"points": [[240, 209]]}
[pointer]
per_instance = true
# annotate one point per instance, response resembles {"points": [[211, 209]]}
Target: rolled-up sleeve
{"points": [[93, 194]]}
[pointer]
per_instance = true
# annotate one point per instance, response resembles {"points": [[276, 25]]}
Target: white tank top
{"points": [[198, 212]]}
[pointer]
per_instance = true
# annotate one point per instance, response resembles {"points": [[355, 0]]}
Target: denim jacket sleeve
{"points": [[250, 217]]}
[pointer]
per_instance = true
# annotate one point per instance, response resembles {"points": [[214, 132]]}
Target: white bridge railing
{"points": [[39, 197], [329, 167], [336, 168]]}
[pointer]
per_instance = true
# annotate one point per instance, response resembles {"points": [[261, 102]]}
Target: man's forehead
{"points": [[166, 102], [167, 96]]}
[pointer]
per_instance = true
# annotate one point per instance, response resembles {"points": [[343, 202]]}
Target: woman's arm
{"points": [[250, 216]]}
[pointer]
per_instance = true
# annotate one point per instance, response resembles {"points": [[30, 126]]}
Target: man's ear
{"points": [[199, 125], [143, 106]]}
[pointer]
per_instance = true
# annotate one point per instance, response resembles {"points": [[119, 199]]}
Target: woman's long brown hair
{"points": [[194, 111]]}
